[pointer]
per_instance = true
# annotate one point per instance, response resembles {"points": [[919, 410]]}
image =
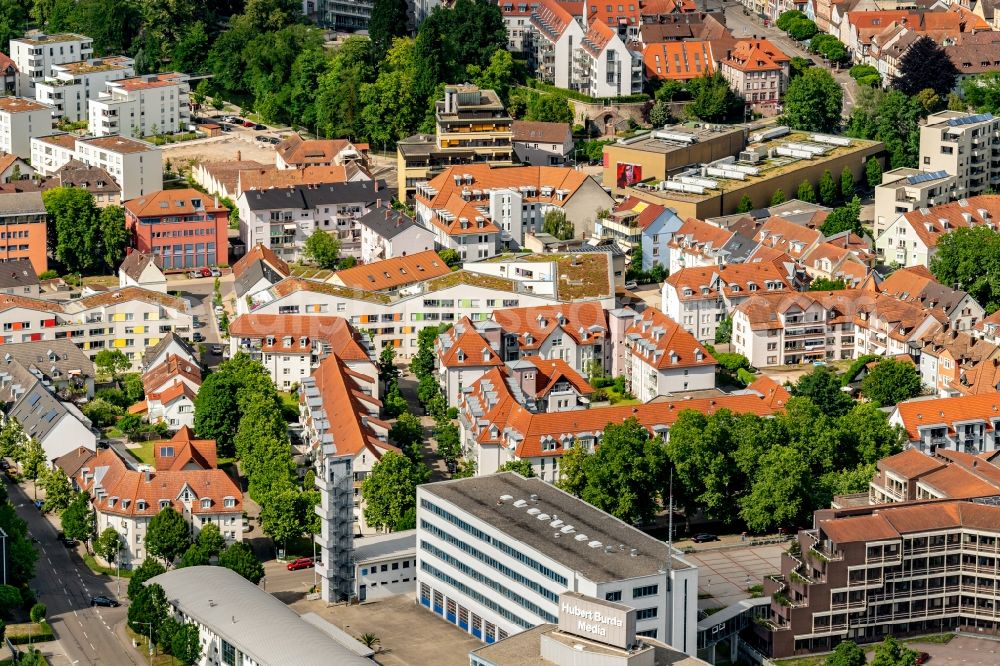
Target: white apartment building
{"points": [[965, 423], [494, 553], [59, 426], [282, 218], [137, 166], [20, 120], [962, 144], [661, 358], [465, 352], [36, 53], [130, 320], [905, 190], [141, 106], [912, 238], [388, 233], [605, 65], [553, 40], [72, 85]]}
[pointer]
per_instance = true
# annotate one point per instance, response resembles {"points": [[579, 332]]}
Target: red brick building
{"points": [[185, 228]]}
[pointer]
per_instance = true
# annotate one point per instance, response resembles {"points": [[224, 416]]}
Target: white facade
{"points": [[141, 106], [904, 190], [135, 165], [900, 244], [36, 53], [962, 144], [73, 85], [376, 247], [49, 153], [385, 565], [647, 381], [474, 573], [20, 120]]}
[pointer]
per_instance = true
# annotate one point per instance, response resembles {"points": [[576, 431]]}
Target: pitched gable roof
{"points": [[930, 224], [172, 202], [585, 323], [336, 333], [392, 273], [135, 263], [260, 253], [463, 346], [659, 341]]}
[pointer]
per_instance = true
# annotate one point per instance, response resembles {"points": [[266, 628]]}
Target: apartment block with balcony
{"points": [[142, 106], [963, 145], [864, 573], [605, 66], [282, 218], [641, 227], [182, 228], [22, 119], [471, 127], [72, 85], [24, 234], [662, 358], [904, 190], [968, 424], [137, 166], [36, 53], [554, 39]]}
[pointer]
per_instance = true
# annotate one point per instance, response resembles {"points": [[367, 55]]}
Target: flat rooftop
{"points": [[95, 65], [119, 144], [21, 105], [653, 144], [38, 39], [383, 546], [611, 561], [61, 140]]}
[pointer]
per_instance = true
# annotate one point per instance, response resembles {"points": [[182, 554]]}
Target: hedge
{"points": [[40, 633], [580, 97]]}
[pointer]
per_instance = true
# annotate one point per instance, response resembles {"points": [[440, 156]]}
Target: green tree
{"points": [[573, 470], [981, 92], [847, 654], [168, 535], [240, 558], [12, 439], [746, 204], [890, 117], [845, 218], [891, 652], [724, 332], [322, 249], [779, 494], [451, 257], [522, 467], [148, 611], [496, 76], [550, 109], [392, 103], [78, 520], [112, 362], [449, 443], [556, 224], [847, 190], [925, 65], [210, 539], [408, 434], [338, 92], [194, 556], [778, 197], [75, 230], [149, 568], [190, 53], [825, 284], [813, 102], [624, 474], [279, 514], [802, 29], [58, 490], [823, 388], [32, 460], [216, 414], [891, 381], [785, 19], [101, 412], [805, 192], [712, 98], [827, 189], [389, 491], [113, 235], [108, 545], [37, 613], [873, 172], [185, 645], [968, 257], [659, 114]]}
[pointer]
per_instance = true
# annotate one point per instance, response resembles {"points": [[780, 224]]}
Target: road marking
{"points": [[86, 636], [49, 559], [92, 647], [79, 622], [75, 613]]}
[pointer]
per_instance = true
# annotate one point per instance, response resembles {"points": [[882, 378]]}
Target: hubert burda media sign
{"points": [[600, 621]]}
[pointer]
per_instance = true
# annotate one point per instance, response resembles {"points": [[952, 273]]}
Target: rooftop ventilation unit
{"points": [[520, 503], [743, 168], [534, 511], [831, 140], [728, 173], [682, 187], [808, 147], [595, 544], [703, 182], [751, 156], [767, 135], [789, 152], [677, 137], [582, 537]]}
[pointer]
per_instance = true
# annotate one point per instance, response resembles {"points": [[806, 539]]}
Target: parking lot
{"points": [[725, 574]]}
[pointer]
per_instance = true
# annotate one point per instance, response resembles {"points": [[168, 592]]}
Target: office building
{"points": [[36, 53], [72, 85], [180, 228], [141, 106], [495, 553], [471, 127], [21, 119], [25, 228], [241, 624], [962, 144], [863, 573], [342, 15]]}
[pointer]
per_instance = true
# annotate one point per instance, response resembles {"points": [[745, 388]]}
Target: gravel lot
{"points": [[221, 148]]}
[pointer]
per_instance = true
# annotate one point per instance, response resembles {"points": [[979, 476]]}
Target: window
{"points": [[646, 613], [613, 596], [645, 591]]}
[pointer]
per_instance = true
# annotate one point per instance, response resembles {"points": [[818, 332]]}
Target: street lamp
{"points": [[150, 638], [3, 538]]}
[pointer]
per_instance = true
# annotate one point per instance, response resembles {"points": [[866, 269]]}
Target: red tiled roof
{"points": [[774, 394], [463, 346], [756, 55], [645, 213], [680, 61], [335, 332], [946, 411], [540, 321], [171, 369], [172, 202], [392, 273], [300, 152], [910, 464], [260, 253], [553, 370], [183, 449], [930, 224], [740, 276], [659, 341]]}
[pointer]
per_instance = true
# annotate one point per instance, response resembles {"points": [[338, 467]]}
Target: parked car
{"points": [[225, 128], [704, 537], [194, 274], [4, 465], [217, 350], [249, 123], [206, 272], [246, 526], [301, 563], [103, 600], [273, 139], [261, 138], [923, 658], [258, 126], [216, 272], [197, 336], [631, 286], [66, 541]]}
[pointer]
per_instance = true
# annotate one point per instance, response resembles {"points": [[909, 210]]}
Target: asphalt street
{"points": [[85, 635]]}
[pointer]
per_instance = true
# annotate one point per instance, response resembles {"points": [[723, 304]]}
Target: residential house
{"points": [[18, 276], [700, 298], [607, 65], [170, 345], [554, 37], [517, 19], [8, 75], [58, 364], [677, 60], [479, 210], [845, 258], [222, 178], [683, 27], [72, 85], [58, 425], [465, 352], [258, 269], [25, 224], [387, 233], [36, 53], [976, 52], [576, 333], [758, 71], [916, 284], [291, 347], [137, 166], [336, 408], [953, 363], [139, 269], [960, 144], [886, 327], [662, 358], [391, 275], [141, 106], [636, 225], [294, 152], [967, 424], [542, 144], [905, 190], [912, 238], [282, 219], [96, 180], [698, 243], [989, 328], [179, 228], [186, 479], [170, 388], [13, 169], [22, 119]]}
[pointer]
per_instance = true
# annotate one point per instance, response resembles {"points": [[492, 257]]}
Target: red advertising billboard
{"points": [[628, 174]]}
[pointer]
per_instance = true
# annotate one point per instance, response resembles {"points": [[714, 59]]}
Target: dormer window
{"points": [[206, 503], [229, 502], [140, 505], [164, 504], [752, 286], [270, 340], [303, 341]]}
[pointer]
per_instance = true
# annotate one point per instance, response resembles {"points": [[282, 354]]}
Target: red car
{"points": [[248, 123], [206, 272], [301, 563], [923, 658]]}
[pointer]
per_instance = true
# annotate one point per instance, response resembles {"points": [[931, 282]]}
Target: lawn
{"points": [[93, 565], [159, 659], [144, 453], [801, 661]]}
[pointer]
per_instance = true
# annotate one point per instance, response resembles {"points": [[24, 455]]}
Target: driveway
{"points": [[199, 292]]}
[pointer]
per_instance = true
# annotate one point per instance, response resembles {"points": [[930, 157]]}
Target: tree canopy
{"points": [[322, 249], [712, 99], [968, 257], [925, 65], [813, 101], [83, 238], [168, 535], [390, 491], [845, 218], [891, 381]]}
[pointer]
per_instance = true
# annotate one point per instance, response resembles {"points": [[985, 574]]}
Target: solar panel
{"points": [[969, 120], [925, 177]]}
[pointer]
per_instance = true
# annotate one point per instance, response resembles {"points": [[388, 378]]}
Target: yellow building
{"points": [[472, 127]]}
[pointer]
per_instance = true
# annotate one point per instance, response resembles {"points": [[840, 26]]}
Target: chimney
{"points": [[378, 202], [376, 184], [239, 155]]}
